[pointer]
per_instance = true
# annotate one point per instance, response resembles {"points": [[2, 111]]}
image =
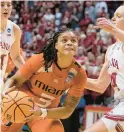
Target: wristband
{"points": [[44, 113]]}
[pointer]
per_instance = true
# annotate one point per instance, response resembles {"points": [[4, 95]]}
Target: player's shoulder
{"points": [[36, 59], [37, 56], [111, 46], [109, 49], [15, 27], [34, 63], [77, 65]]}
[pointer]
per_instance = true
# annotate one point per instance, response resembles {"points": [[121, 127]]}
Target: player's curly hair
{"points": [[49, 51]]}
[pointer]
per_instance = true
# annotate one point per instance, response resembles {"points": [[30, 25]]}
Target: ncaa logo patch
{"points": [[8, 30]]}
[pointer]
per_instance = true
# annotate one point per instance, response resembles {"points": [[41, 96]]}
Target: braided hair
{"points": [[49, 51]]}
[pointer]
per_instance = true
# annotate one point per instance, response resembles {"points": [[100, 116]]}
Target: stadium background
{"points": [[38, 20]]}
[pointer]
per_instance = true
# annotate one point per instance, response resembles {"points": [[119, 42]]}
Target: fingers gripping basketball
{"points": [[16, 107]]}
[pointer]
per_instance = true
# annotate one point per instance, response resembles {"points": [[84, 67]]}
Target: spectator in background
{"points": [[15, 16], [49, 16], [80, 14], [58, 18], [106, 37], [90, 10], [99, 6], [84, 22], [74, 18], [27, 36], [80, 55], [66, 19], [89, 40]]}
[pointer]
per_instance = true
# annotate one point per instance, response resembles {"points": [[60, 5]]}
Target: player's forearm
{"points": [[9, 83], [92, 84], [118, 33], [59, 113], [12, 82], [19, 61]]}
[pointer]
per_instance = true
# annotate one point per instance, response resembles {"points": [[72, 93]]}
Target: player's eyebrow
{"points": [[118, 14], [7, 2], [74, 37]]}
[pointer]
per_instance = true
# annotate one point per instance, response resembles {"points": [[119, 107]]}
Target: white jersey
{"points": [[115, 57], [6, 41]]}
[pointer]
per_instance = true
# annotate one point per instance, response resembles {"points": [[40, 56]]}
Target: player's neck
{"points": [[64, 61], [3, 25]]}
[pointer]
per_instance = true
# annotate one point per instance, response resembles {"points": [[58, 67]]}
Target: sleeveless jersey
{"points": [[115, 57], [6, 41]]}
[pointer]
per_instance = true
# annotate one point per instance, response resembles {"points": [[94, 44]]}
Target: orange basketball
{"points": [[16, 107]]}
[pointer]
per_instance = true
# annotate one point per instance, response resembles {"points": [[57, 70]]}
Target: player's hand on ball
{"points": [[6, 91], [36, 111]]}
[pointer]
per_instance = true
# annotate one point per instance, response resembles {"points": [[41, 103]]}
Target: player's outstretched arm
{"points": [[100, 84], [15, 49], [13, 83], [24, 73]]}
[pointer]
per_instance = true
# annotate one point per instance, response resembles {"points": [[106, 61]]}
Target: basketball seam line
{"points": [[21, 111], [12, 98], [14, 102], [17, 105]]}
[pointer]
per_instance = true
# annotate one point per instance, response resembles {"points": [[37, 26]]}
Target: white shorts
{"points": [[116, 115]]}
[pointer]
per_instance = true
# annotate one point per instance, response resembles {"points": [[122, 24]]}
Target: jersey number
{"points": [[2, 60], [46, 99], [113, 79]]}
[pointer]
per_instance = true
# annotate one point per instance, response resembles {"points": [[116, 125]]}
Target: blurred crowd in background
{"points": [[38, 20]]}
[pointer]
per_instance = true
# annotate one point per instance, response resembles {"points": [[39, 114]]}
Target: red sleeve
{"points": [[32, 65], [79, 85]]}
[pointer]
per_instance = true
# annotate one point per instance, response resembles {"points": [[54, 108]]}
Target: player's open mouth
{"points": [[5, 14], [69, 49], [113, 23]]}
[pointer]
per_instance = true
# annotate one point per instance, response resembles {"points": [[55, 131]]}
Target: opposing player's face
{"points": [[118, 18], [6, 8], [67, 43]]}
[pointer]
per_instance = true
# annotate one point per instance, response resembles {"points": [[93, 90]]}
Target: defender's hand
{"points": [[104, 24], [36, 113], [8, 90]]}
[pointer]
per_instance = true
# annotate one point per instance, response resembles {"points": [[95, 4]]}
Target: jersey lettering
{"points": [[5, 46], [113, 79], [48, 89]]}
